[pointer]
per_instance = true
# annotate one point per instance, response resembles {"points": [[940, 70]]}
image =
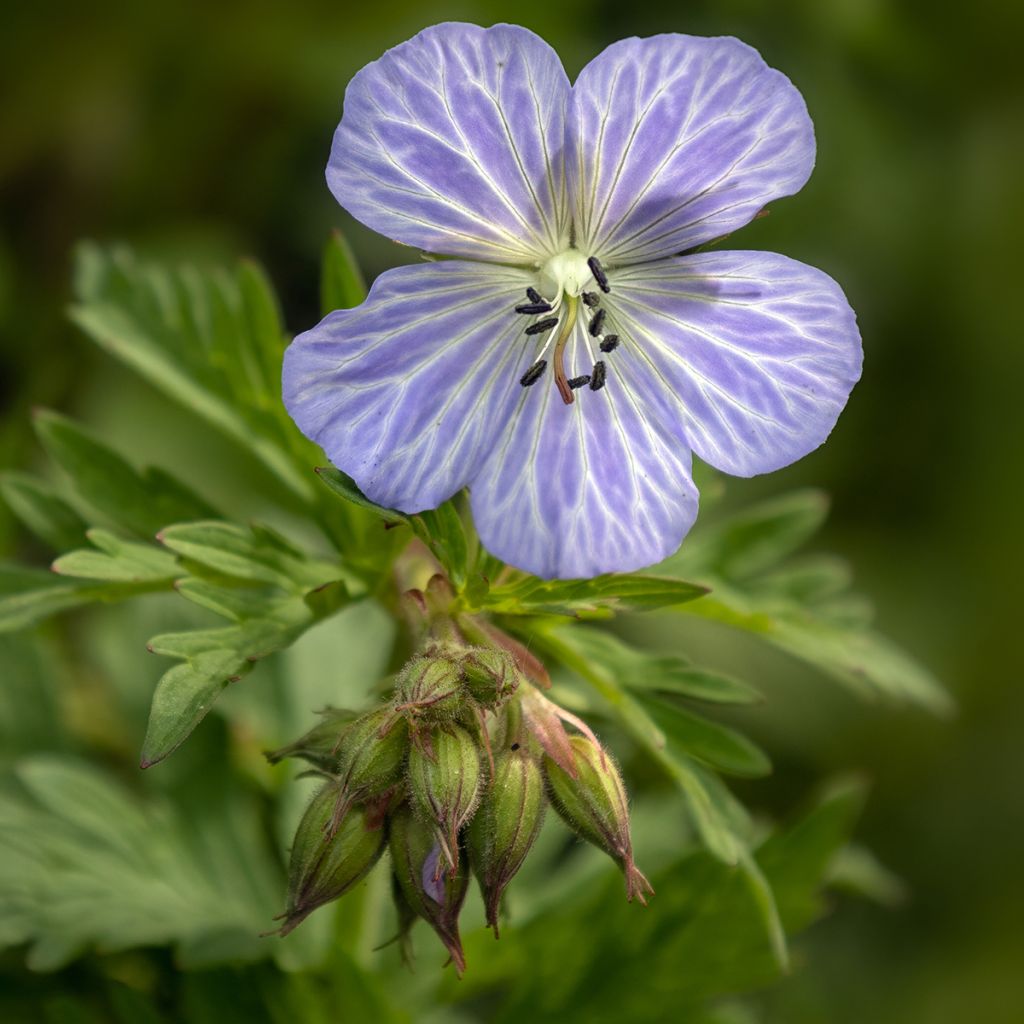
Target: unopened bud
{"points": [[445, 783], [320, 745], [429, 689], [371, 756], [594, 805], [434, 895], [324, 866], [505, 825], [491, 676]]}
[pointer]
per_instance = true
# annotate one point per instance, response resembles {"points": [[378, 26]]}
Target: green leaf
{"points": [[140, 502], [28, 596], [753, 539], [84, 863], [664, 673], [256, 554], [344, 487], [442, 531], [213, 658], [716, 745], [855, 869], [42, 511], [598, 596], [341, 281], [118, 560], [201, 338], [860, 658], [263, 340]]}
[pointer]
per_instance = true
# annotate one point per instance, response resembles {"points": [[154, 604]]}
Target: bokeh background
{"points": [[200, 130]]}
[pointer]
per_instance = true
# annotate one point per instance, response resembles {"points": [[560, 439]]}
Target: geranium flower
{"points": [[571, 352]]}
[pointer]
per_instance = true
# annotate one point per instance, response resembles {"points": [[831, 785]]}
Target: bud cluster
{"points": [[453, 775]]}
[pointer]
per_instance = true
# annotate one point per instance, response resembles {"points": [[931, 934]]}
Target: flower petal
{"points": [[453, 142], [760, 351], [406, 392], [675, 140], [602, 485]]}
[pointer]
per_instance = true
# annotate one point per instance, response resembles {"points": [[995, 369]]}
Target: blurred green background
{"points": [[201, 130]]}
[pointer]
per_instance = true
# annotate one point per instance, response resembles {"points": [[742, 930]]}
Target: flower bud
{"points": [[505, 825], [434, 895], [429, 689], [370, 758], [324, 866], [319, 746], [445, 783], [491, 676], [594, 805]]}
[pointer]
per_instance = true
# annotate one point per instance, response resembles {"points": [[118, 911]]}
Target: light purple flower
{"points": [[572, 426]]}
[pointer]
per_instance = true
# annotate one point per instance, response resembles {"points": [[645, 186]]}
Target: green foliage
{"points": [[86, 864], [93, 865]]}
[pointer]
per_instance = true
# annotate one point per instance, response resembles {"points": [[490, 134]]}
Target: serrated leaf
{"points": [[183, 697], [140, 502], [118, 560], [716, 745], [41, 510], [255, 553], [230, 602], [188, 334], [341, 281], [216, 657], [84, 864]]}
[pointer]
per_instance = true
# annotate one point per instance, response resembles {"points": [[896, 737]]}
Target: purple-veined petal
{"points": [[602, 485], [454, 142], [759, 351], [675, 140], [407, 392]]}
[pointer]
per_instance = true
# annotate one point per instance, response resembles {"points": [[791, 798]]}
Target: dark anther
{"points": [[610, 343], [598, 271], [580, 382], [597, 377], [515, 746], [533, 374], [533, 295], [597, 323], [591, 299], [542, 325], [535, 307]]}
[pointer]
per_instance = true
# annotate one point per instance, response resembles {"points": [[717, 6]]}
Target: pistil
{"points": [[564, 387]]}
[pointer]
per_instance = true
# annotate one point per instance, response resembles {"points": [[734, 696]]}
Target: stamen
{"points": [[610, 343], [535, 307], [599, 276], [534, 373], [579, 382], [597, 323], [542, 325], [591, 299], [597, 377], [533, 295]]}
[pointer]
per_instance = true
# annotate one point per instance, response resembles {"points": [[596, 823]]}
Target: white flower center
{"points": [[568, 272]]}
